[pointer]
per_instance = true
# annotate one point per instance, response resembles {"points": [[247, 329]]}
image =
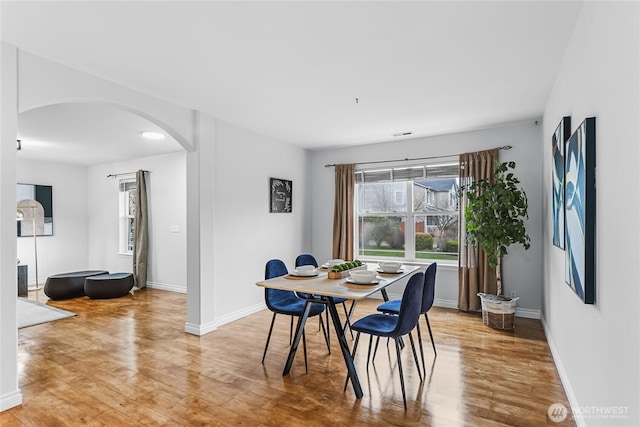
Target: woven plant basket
{"points": [[498, 312]]}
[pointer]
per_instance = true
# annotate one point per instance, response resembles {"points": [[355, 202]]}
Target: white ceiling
{"points": [[88, 134], [293, 70]]}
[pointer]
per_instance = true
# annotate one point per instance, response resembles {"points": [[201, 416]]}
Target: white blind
{"points": [[448, 170], [127, 185]]}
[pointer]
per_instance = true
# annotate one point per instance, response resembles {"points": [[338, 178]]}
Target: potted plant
{"points": [[495, 217]]}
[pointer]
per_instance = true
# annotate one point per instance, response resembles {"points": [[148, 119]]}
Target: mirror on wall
{"points": [[43, 195]]}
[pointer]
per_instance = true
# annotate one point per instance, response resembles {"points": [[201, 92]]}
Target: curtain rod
{"points": [[504, 147], [113, 175]]}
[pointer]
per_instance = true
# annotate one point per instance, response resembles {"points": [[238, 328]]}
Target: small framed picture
{"points": [[281, 195]]}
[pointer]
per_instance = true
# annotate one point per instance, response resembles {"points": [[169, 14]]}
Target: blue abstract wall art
{"points": [[558, 141], [580, 210]]}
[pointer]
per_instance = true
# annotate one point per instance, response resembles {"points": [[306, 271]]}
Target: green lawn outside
{"points": [[400, 254]]}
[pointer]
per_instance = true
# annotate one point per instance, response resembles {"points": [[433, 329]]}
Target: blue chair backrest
{"points": [[275, 268], [429, 287], [410, 305], [306, 259]]}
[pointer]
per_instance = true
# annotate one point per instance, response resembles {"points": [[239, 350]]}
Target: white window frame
{"points": [[410, 215], [399, 197], [125, 228]]}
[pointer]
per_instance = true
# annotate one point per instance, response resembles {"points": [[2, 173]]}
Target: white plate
{"points": [[304, 273], [379, 270], [373, 282]]}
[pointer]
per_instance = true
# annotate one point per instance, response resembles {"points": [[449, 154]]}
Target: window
{"points": [[127, 213], [410, 213], [399, 197]]}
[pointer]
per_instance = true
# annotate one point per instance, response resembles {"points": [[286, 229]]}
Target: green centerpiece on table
{"points": [[342, 270]]}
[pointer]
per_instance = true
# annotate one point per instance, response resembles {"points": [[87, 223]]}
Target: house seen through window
{"points": [[409, 213], [127, 213]]}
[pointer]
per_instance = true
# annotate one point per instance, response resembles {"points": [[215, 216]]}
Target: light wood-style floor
{"points": [[128, 362]]}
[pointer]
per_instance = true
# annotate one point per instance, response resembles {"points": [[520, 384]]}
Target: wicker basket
{"points": [[498, 312]]}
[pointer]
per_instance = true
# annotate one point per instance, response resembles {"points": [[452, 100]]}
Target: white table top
{"points": [[322, 285]]}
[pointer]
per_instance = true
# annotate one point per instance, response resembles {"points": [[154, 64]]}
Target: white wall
{"points": [[166, 197], [67, 249], [596, 346], [10, 394], [522, 269], [246, 234]]}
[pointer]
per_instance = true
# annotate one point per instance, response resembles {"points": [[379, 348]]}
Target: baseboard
{"points": [[564, 378], [199, 330], [527, 313], [10, 400], [445, 303], [212, 326], [167, 287], [240, 314]]}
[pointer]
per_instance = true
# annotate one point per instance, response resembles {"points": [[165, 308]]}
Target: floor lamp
{"points": [[20, 217]]}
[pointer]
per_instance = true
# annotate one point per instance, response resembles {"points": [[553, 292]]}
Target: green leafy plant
{"points": [[451, 246], [347, 265], [495, 216], [424, 241]]}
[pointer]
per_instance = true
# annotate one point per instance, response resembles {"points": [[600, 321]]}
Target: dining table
{"points": [[319, 288]]}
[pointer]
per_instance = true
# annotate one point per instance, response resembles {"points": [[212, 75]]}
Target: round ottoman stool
{"points": [[112, 285], [68, 285]]}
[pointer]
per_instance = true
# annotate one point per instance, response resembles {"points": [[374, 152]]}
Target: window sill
{"points": [[125, 253], [449, 265]]}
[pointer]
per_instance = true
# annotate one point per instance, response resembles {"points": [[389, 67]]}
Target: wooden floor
{"points": [[128, 362]]}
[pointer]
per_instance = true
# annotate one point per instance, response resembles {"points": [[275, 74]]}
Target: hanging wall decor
{"points": [[281, 195], [43, 195], [580, 210], [558, 141]]}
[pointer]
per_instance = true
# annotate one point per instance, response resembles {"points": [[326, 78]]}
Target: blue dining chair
{"points": [[286, 302], [308, 259], [428, 294], [382, 325]]}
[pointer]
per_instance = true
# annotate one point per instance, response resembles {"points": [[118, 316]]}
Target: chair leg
{"points": [[415, 356], [375, 350], [304, 346], [273, 319], [433, 343], [325, 332], [327, 316], [369, 351], [291, 331], [424, 369], [404, 396], [353, 356]]}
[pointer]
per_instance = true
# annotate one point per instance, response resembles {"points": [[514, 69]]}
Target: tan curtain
{"points": [[140, 232], [343, 212], [474, 273]]}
